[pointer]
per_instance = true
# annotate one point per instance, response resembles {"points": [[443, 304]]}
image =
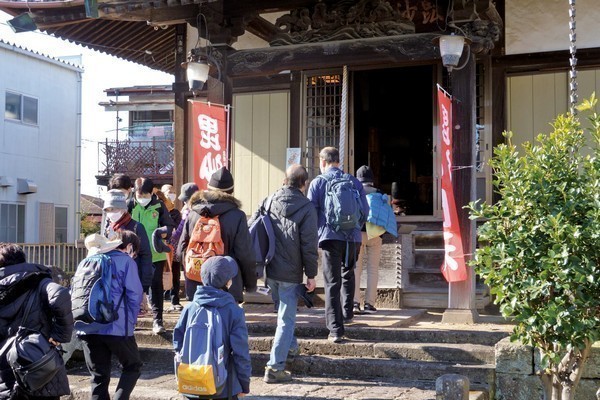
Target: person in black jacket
{"points": [[51, 315], [294, 220], [218, 200]]}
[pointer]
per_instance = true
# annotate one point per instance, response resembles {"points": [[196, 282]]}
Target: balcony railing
{"points": [[151, 158], [62, 255]]}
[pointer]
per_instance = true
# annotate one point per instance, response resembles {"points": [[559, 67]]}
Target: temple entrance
{"points": [[393, 133]]}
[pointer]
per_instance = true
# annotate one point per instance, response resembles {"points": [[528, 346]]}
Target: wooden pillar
{"points": [[180, 87], [461, 295]]}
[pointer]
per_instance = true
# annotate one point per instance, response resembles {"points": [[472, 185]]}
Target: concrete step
{"points": [[431, 239], [356, 331], [155, 383], [464, 353], [437, 298]]}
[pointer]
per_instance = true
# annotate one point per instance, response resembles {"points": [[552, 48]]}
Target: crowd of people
{"points": [[144, 233]]}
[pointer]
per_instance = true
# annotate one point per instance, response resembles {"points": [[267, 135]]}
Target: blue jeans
{"points": [[286, 322]]}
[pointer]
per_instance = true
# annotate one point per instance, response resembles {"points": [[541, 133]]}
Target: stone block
{"points": [[513, 358], [518, 387], [591, 370], [587, 389], [452, 387]]}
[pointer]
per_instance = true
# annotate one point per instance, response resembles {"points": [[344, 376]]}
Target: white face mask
{"points": [[143, 202], [114, 216], [171, 197]]}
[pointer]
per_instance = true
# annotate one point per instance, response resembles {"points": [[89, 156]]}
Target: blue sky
{"points": [[101, 72]]}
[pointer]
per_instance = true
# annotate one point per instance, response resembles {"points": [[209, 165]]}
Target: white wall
{"points": [[543, 25], [46, 153]]}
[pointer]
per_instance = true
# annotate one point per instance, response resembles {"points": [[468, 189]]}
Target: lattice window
{"points": [[323, 97]]}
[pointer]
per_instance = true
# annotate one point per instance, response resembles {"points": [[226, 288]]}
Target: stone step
{"points": [[437, 297], [428, 239], [357, 331], [156, 383], [464, 353]]}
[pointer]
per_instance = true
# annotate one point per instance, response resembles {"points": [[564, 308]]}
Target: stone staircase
{"points": [[422, 283], [380, 353]]}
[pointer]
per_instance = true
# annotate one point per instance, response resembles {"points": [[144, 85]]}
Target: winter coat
{"points": [[126, 276], [50, 314], [235, 334], [144, 255], [316, 194], [234, 232], [369, 188], [154, 215], [294, 220]]}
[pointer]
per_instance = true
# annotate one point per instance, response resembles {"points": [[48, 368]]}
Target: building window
{"points": [[323, 97], [60, 224], [12, 223], [21, 108]]}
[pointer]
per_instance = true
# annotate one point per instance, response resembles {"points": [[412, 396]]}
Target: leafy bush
{"points": [[540, 246]]}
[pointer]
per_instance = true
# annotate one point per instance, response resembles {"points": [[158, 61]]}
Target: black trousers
{"points": [[98, 350], [338, 261], [176, 269], [156, 297]]}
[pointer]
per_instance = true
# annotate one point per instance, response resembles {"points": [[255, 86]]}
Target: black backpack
{"points": [[91, 291], [263, 238], [33, 360]]}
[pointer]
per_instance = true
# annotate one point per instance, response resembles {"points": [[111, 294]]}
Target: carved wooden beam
{"points": [[262, 28], [392, 49]]}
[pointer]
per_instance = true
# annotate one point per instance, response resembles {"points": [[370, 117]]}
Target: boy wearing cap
{"points": [[219, 200], [217, 274]]}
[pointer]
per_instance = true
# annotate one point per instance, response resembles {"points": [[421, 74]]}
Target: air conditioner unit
{"points": [[6, 181], [26, 186]]}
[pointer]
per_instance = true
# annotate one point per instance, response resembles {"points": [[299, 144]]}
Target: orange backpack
{"points": [[205, 242]]}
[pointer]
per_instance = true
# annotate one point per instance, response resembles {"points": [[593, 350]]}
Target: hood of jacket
{"points": [[19, 278], [213, 202], [287, 201], [210, 296]]}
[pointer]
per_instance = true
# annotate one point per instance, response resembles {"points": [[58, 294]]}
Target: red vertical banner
{"points": [[454, 268], [210, 140]]}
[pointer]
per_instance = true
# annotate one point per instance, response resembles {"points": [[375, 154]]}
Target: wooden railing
{"points": [[148, 158], [65, 256]]}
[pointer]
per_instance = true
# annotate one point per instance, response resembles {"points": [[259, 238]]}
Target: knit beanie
{"points": [[365, 174], [221, 180], [115, 198]]}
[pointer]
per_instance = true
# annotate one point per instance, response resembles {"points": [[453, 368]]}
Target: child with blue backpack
{"points": [[212, 298]]}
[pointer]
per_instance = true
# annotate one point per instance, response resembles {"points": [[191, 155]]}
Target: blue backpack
{"points": [[263, 238], [343, 205], [91, 296], [200, 364]]}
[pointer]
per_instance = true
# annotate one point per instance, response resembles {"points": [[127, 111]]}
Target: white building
{"points": [[40, 136]]}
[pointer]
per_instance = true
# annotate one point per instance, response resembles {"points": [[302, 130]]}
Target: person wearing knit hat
{"points": [[219, 201], [118, 219], [217, 273], [370, 248], [221, 180]]}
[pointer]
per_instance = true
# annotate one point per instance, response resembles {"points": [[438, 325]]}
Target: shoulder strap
{"points": [[12, 338]]}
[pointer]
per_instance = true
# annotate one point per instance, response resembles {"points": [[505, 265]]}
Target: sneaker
{"points": [[356, 309], [348, 320], [157, 327], [369, 309], [277, 376], [336, 339], [174, 308]]}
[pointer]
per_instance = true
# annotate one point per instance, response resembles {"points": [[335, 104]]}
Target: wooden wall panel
{"points": [[544, 103], [261, 136], [520, 105]]}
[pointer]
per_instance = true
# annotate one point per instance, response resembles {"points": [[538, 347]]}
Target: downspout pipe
{"points": [[77, 202]]}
